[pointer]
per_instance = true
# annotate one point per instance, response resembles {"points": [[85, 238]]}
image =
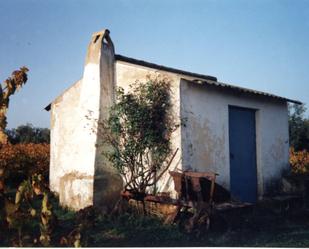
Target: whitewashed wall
{"points": [[81, 177], [205, 139], [73, 183], [63, 119]]}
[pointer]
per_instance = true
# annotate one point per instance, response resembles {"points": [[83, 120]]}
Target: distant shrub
{"points": [[299, 161], [298, 127], [28, 134], [20, 161]]}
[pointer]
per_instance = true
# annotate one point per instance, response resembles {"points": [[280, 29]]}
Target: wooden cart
{"points": [[193, 206]]}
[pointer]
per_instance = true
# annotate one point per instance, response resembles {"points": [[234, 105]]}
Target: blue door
{"points": [[242, 154]]}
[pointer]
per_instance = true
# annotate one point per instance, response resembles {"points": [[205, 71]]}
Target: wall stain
{"points": [[67, 193], [277, 150], [208, 148]]}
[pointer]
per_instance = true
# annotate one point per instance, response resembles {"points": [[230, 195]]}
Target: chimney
{"points": [[93, 181]]}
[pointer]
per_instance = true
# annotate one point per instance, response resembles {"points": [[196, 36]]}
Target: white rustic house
{"points": [[239, 133]]}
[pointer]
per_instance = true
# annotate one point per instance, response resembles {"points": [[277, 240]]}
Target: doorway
{"points": [[242, 143]]}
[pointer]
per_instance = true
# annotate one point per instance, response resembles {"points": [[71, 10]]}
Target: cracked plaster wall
{"points": [[205, 139]]}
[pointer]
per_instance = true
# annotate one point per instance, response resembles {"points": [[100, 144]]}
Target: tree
{"points": [[138, 133], [298, 127], [28, 134], [7, 89]]}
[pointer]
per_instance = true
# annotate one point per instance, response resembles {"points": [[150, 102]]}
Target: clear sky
{"points": [[261, 44]]}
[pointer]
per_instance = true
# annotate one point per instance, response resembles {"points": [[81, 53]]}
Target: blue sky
{"points": [[260, 44]]}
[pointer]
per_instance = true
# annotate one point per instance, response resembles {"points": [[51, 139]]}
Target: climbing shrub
{"points": [[21, 161], [299, 161], [138, 132]]}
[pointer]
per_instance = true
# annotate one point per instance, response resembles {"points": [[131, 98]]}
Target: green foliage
{"points": [[36, 219], [138, 132], [131, 229], [28, 134], [19, 212], [257, 227], [46, 220], [24, 212], [298, 127]]}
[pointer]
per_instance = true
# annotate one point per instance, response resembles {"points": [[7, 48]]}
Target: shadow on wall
{"points": [[220, 193]]}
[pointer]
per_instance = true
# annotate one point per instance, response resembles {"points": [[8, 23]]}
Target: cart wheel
{"points": [[204, 222], [194, 223], [202, 225], [183, 220]]}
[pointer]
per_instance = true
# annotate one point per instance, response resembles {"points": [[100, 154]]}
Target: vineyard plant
{"points": [[299, 161]]}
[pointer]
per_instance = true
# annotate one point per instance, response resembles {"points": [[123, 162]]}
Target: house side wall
{"points": [[127, 74], [62, 121], [65, 114], [205, 139]]}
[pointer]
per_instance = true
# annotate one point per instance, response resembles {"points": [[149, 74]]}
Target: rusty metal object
{"points": [[192, 210], [189, 190], [183, 180]]}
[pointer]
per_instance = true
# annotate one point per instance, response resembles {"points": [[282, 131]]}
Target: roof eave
{"points": [[48, 107], [245, 90], [163, 68]]}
